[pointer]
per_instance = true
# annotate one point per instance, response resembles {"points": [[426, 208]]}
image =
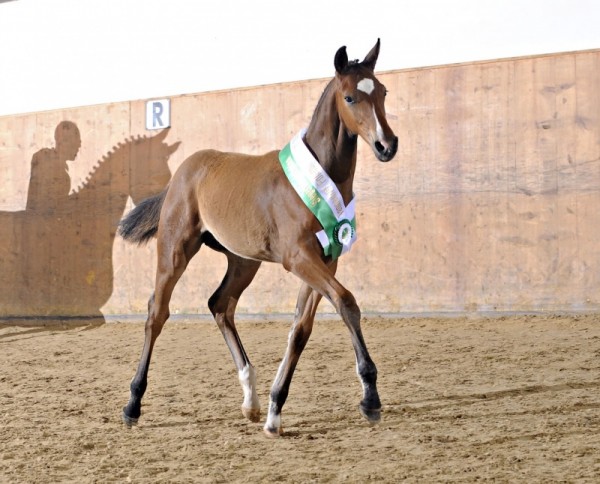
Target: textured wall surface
{"points": [[490, 205]]}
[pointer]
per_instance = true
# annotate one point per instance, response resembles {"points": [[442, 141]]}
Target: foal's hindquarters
{"points": [[202, 206]]}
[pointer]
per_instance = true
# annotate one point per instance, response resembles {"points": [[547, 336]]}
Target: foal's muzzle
{"points": [[386, 153]]}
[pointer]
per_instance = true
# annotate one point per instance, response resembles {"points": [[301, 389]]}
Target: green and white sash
{"points": [[321, 196]]}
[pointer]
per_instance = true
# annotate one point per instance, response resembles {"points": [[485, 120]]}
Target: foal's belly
{"points": [[234, 201], [242, 237]]}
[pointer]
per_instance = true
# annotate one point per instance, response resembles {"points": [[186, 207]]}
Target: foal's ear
{"points": [[341, 60], [371, 58]]}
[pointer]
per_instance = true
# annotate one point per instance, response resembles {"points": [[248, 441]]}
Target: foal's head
{"points": [[360, 101]]}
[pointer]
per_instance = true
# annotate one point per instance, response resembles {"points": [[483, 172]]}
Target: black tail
{"points": [[141, 224]]}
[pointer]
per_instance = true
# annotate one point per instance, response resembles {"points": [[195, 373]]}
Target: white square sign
{"points": [[158, 114]]}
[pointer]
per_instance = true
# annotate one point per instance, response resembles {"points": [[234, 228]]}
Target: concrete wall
{"points": [[490, 205]]}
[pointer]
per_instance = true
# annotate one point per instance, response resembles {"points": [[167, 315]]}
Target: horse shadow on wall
{"points": [[56, 255]]}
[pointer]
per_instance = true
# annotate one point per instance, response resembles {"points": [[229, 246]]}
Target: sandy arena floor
{"points": [[508, 399]]}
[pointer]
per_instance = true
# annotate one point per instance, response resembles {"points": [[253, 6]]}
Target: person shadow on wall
{"points": [[49, 182], [56, 255]]}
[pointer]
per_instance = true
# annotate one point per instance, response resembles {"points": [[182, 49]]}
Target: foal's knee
{"points": [[212, 303], [219, 303], [349, 310]]}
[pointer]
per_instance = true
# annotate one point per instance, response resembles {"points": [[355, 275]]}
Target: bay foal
{"points": [[247, 208]]}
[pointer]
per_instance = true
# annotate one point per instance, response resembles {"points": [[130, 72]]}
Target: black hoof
{"points": [[128, 421], [373, 415]]}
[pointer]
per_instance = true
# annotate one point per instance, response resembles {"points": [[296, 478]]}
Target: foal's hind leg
{"points": [[306, 307], [174, 253], [222, 304]]}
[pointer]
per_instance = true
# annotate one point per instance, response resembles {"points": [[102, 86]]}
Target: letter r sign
{"points": [[158, 114]]}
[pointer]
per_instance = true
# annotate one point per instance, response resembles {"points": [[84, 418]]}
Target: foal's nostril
{"points": [[385, 152]]}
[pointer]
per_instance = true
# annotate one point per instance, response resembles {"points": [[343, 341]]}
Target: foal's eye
{"points": [[349, 99]]}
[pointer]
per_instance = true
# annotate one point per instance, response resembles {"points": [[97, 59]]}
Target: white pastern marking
{"points": [[247, 377], [273, 421], [366, 85]]}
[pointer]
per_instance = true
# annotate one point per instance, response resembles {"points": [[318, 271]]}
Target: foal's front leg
{"points": [[312, 270], [306, 307]]}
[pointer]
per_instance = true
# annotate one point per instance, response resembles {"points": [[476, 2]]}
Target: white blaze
{"points": [[378, 127]]}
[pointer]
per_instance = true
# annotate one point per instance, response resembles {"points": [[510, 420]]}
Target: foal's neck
{"points": [[330, 143]]}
